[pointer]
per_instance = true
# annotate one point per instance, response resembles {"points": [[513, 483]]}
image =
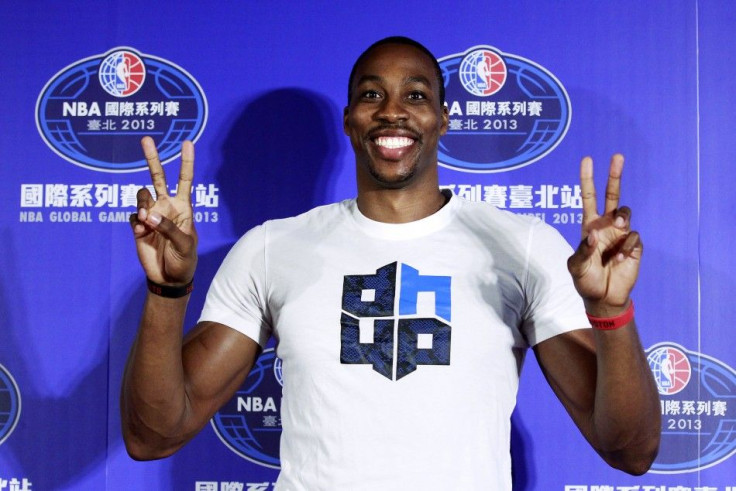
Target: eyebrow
{"points": [[408, 80]]}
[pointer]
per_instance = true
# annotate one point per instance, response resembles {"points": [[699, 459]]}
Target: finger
{"points": [[144, 198], [613, 187], [632, 246], [622, 218], [158, 178], [138, 226], [144, 202], [133, 220], [182, 242], [587, 190], [186, 173]]}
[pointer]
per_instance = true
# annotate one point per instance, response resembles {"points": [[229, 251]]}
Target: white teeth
{"points": [[393, 142]]}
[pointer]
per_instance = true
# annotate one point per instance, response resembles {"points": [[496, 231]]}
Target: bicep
{"points": [[216, 360]]}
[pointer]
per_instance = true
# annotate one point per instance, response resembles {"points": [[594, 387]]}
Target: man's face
{"points": [[394, 118]]}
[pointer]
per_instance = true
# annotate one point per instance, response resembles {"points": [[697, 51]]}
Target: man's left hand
{"points": [[605, 265]]}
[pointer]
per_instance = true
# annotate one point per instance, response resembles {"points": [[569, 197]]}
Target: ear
{"points": [[445, 119], [345, 114]]}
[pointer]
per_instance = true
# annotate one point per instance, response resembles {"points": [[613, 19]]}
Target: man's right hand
{"points": [[163, 228], [173, 384]]}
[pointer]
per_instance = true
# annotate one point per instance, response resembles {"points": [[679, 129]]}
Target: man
{"points": [[401, 317]]}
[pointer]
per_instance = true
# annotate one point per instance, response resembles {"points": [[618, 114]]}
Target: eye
{"points": [[370, 94], [417, 95]]}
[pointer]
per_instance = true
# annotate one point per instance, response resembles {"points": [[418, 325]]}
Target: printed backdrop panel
{"points": [[531, 88]]}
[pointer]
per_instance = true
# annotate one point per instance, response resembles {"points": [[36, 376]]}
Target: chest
{"points": [[396, 305]]}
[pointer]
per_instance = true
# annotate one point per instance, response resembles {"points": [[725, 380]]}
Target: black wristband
{"points": [[170, 291]]}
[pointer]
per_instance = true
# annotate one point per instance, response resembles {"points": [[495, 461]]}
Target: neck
{"points": [[400, 205]]}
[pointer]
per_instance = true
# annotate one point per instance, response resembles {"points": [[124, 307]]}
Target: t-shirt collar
{"points": [[409, 230]]}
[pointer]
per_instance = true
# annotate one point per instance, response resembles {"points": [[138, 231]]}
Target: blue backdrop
{"points": [[652, 80]]}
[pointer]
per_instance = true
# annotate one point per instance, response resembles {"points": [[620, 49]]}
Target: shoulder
{"points": [[316, 217], [485, 216], [288, 233], [519, 235], [319, 216]]}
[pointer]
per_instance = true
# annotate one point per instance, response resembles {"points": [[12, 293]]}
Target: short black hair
{"points": [[404, 41]]}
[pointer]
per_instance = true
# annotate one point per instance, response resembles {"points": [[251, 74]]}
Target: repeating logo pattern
{"points": [[698, 402], [505, 111], [94, 112], [369, 304]]}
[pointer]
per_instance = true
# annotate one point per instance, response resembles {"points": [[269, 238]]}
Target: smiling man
{"points": [[402, 316]]}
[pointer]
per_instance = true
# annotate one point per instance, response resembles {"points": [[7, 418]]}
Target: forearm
{"points": [[153, 400], [615, 401], [626, 415]]}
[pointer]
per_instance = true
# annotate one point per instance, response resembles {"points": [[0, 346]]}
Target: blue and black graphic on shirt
{"points": [[396, 336]]}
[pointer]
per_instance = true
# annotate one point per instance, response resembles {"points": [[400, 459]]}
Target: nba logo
{"points": [[122, 73], [483, 72], [671, 369]]}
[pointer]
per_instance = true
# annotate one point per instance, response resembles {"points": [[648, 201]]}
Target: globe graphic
{"points": [[489, 140], [9, 404], [671, 369], [277, 371], [254, 435], [119, 74], [109, 78], [122, 73], [482, 72], [705, 434]]}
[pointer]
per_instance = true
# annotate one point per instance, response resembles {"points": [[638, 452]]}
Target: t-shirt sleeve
{"points": [[553, 305], [237, 295]]}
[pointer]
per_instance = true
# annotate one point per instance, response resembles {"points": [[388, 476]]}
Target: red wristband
{"points": [[170, 291], [610, 323]]}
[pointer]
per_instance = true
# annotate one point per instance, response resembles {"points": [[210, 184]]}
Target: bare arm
{"points": [[604, 382], [173, 385], [602, 377]]}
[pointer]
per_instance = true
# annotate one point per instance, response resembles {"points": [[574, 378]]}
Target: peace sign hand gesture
{"points": [[163, 228], [605, 266]]}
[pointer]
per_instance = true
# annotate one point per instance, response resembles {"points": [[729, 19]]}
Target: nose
{"points": [[392, 110]]}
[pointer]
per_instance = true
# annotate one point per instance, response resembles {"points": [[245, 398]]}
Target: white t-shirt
{"points": [[401, 343]]}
